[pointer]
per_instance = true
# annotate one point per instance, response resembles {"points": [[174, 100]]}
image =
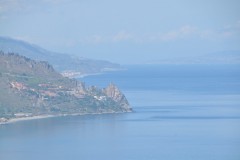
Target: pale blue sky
{"points": [[125, 31]]}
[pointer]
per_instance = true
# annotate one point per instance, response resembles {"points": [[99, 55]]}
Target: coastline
{"points": [[75, 74], [14, 120]]}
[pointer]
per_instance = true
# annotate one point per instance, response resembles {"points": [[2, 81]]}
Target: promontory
{"points": [[30, 88]]}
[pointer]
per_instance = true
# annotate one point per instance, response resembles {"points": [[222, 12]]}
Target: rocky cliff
{"points": [[28, 87], [114, 92]]}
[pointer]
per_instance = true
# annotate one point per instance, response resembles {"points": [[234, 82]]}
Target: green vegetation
{"points": [[29, 88]]}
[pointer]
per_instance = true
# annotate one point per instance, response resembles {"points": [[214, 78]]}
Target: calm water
{"points": [[181, 113]]}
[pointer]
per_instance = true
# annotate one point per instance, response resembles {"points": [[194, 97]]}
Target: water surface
{"points": [[180, 113]]}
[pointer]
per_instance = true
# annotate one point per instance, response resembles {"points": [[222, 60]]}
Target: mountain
{"points": [[68, 64], [223, 57], [31, 88]]}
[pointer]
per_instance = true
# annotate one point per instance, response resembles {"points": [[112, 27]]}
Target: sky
{"points": [[125, 31]]}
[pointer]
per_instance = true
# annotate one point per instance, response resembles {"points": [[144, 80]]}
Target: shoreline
{"points": [[14, 120], [78, 75]]}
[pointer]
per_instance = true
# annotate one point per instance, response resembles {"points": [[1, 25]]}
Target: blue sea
{"points": [[181, 112]]}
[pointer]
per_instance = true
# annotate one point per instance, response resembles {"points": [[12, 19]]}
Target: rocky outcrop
{"points": [[113, 92], [13, 62], [35, 88]]}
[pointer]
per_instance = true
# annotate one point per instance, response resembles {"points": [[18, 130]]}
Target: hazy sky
{"points": [[125, 31]]}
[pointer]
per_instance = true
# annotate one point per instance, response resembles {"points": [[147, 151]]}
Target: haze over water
{"points": [[181, 112]]}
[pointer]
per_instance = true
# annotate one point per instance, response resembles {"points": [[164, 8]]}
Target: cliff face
{"points": [[28, 87], [113, 92]]}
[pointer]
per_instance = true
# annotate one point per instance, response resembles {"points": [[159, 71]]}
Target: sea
{"points": [[180, 112]]}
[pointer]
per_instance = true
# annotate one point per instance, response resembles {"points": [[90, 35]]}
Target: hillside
{"points": [[61, 62], [32, 88]]}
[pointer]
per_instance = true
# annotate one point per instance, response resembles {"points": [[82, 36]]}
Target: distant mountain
{"points": [[30, 88], [224, 57], [66, 63]]}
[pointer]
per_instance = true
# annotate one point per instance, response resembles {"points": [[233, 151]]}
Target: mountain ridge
{"points": [[61, 62]]}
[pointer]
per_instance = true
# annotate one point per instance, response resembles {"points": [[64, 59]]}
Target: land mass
{"points": [[30, 88], [68, 65]]}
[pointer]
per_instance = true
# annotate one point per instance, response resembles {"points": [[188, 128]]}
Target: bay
{"points": [[181, 112]]}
